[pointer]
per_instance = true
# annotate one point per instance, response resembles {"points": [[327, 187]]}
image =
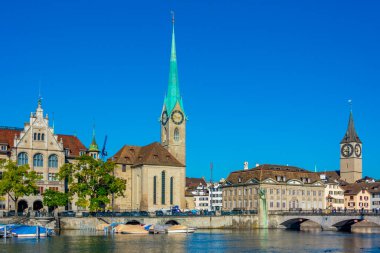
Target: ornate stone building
{"points": [[155, 173], [286, 188], [37, 145], [351, 154]]}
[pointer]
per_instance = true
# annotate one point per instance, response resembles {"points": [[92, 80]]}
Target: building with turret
{"points": [[37, 145]]}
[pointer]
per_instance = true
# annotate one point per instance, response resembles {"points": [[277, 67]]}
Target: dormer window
{"points": [[239, 180], [67, 151], [82, 153], [3, 148]]}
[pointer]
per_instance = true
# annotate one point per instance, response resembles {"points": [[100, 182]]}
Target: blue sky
{"points": [[262, 81]]}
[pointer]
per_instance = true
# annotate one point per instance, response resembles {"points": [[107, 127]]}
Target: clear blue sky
{"points": [[262, 81]]}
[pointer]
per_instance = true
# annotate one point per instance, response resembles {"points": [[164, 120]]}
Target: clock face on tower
{"points": [[177, 117], [358, 150], [164, 118], [347, 150]]}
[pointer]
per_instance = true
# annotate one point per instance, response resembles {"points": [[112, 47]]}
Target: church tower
{"points": [[351, 154], [173, 118]]}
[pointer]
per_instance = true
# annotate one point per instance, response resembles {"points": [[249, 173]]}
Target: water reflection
{"points": [[202, 241]]}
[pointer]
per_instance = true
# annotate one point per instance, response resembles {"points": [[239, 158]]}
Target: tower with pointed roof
{"points": [[173, 118], [93, 150], [351, 154]]}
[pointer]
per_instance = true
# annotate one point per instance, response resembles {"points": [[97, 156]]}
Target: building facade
{"points": [[44, 151], [286, 188], [357, 197], [215, 196], [334, 194]]}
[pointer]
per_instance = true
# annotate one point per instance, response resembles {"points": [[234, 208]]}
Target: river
{"points": [[201, 241]]}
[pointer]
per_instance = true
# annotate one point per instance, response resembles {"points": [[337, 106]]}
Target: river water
{"points": [[201, 241]]}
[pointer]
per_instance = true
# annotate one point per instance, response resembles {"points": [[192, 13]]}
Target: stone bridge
{"points": [[284, 220], [334, 221]]}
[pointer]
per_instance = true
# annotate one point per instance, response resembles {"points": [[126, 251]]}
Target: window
{"points": [[41, 190], [43, 137], [171, 190], [40, 175], [22, 158], [52, 177], [35, 136], [39, 136], [176, 134], [163, 187], [38, 160], [124, 168], [3, 148], [2, 204], [154, 190], [82, 153], [53, 161], [53, 188]]}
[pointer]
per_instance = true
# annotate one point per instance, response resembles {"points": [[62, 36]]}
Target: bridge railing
{"points": [[326, 212]]}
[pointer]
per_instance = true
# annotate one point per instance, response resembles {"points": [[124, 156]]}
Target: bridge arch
{"points": [[300, 222], [172, 222], [133, 222]]}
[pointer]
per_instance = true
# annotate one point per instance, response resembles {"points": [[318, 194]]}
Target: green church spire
{"points": [[93, 145], [173, 96]]}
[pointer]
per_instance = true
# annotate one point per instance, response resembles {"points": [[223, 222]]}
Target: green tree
{"points": [[92, 182], [55, 199], [17, 181]]}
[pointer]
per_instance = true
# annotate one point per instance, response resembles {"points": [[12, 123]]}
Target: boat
{"points": [[179, 229], [131, 229], [31, 231]]}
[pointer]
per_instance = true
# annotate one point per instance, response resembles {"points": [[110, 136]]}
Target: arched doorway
{"points": [[37, 205], [21, 206]]}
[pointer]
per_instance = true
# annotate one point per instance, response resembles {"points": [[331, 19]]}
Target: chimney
{"points": [[245, 165]]}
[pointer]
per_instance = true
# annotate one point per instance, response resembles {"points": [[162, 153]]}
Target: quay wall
{"points": [[215, 222]]}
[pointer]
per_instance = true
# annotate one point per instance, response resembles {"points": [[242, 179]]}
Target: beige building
{"points": [[357, 197], [334, 194], [286, 188], [44, 151]]}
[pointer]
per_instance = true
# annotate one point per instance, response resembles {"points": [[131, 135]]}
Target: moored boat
{"points": [[31, 231], [179, 229], [131, 229]]}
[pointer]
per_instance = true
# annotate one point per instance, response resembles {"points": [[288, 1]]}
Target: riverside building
{"points": [[43, 150], [286, 188]]}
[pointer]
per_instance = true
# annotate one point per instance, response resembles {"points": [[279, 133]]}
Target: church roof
{"points": [[70, 142], [266, 171], [351, 135], [93, 145], [152, 154]]}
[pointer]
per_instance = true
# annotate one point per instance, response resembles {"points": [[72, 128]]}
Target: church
{"points": [[155, 174]]}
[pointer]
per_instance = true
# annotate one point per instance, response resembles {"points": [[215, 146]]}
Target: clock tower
{"points": [[173, 118], [351, 154]]}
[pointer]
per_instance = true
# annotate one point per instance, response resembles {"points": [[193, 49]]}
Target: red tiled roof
{"points": [[7, 136], [72, 143], [266, 171], [152, 154], [192, 182]]}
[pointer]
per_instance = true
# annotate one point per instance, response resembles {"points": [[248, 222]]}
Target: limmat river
{"points": [[201, 241]]}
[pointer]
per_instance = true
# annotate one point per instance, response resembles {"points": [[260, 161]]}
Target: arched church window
{"points": [[171, 190], [155, 190], [53, 161], [176, 134], [39, 136], [22, 158], [35, 136], [163, 187], [38, 160], [43, 137]]}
